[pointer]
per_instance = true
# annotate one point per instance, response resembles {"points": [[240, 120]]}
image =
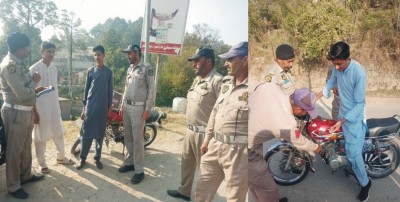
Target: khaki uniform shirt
{"points": [[275, 74], [16, 83], [201, 98], [230, 113], [270, 118], [139, 85]]}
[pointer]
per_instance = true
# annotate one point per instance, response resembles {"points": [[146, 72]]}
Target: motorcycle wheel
{"points": [[76, 147], [150, 134], [297, 171], [390, 157]]}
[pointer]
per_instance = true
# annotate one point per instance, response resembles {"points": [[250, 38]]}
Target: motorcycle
{"points": [[381, 153], [115, 129]]}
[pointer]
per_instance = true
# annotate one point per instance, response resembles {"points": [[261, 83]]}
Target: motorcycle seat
{"points": [[153, 116], [382, 126]]}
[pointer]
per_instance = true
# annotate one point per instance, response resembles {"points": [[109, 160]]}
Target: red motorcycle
{"points": [[380, 152], [115, 129]]}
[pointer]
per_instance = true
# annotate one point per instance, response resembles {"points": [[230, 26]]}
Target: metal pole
{"points": [[158, 67], [147, 29]]}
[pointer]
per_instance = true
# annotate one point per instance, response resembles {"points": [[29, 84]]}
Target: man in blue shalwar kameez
{"points": [[97, 103], [351, 80]]}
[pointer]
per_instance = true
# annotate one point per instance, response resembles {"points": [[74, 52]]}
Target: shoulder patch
{"points": [[225, 88], [244, 97], [268, 78], [11, 68], [150, 72], [284, 77]]}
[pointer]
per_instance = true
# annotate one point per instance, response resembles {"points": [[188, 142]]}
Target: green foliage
{"points": [[176, 78], [316, 26], [177, 72], [26, 16]]}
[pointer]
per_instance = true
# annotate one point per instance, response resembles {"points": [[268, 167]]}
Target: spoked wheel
{"points": [[150, 134], [385, 164], [76, 147], [287, 172]]}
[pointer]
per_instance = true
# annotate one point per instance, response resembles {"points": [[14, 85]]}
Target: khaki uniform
{"points": [[19, 98], [138, 97], [285, 80], [226, 157], [268, 119], [336, 99], [201, 98]]}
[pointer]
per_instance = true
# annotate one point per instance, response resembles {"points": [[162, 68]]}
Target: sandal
{"points": [[66, 161], [45, 170]]}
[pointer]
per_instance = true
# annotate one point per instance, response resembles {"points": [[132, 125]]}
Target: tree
{"points": [[69, 25], [177, 72], [27, 16]]}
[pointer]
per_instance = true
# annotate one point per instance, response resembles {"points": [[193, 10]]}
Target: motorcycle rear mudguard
{"points": [[275, 147]]}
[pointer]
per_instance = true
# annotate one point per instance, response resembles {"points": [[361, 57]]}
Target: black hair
{"points": [[47, 45], [339, 51], [16, 41], [99, 48]]}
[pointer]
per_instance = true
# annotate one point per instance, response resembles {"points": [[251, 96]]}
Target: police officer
{"points": [[279, 121], [336, 98], [201, 98], [279, 71], [136, 106], [19, 98], [225, 142]]}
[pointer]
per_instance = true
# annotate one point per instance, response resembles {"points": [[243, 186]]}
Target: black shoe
{"points": [[20, 194], [284, 199], [34, 178], [99, 165], [363, 196], [126, 168], [176, 194], [137, 178], [80, 164]]}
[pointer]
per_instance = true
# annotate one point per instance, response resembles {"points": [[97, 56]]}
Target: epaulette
{"points": [[227, 78]]}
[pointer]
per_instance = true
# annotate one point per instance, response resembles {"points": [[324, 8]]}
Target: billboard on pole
{"points": [[167, 26]]}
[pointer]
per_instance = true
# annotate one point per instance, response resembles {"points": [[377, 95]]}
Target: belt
{"points": [[134, 103], [197, 129], [17, 107], [229, 139]]}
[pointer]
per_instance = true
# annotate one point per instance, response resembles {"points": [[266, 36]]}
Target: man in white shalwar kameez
{"points": [[47, 113]]}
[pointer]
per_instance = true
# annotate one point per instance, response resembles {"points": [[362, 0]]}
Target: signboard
{"points": [[167, 26]]}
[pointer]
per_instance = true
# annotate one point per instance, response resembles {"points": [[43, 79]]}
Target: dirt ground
{"points": [[66, 183]]}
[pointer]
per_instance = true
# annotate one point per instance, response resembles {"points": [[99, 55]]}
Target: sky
{"points": [[229, 17]]}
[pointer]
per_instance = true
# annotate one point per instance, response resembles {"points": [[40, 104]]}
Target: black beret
{"points": [[284, 52], [16, 41]]}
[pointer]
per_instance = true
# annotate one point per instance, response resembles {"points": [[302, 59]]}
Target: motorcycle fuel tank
{"points": [[318, 129]]}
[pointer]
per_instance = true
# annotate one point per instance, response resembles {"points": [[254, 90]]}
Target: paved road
{"points": [[322, 186]]}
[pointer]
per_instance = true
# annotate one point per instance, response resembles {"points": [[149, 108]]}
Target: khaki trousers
{"points": [[40, 148], [18, 125], [190, 160], [134, 140], [223, 161], [335, 107], [261, 184]]}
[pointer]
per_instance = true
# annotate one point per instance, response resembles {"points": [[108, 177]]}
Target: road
{"points": [[323, 186]]}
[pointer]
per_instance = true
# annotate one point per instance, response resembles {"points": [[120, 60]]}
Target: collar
{"points": [[349, 66], [278, 69], [138, 65], [208, 77], [244, 82]]}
